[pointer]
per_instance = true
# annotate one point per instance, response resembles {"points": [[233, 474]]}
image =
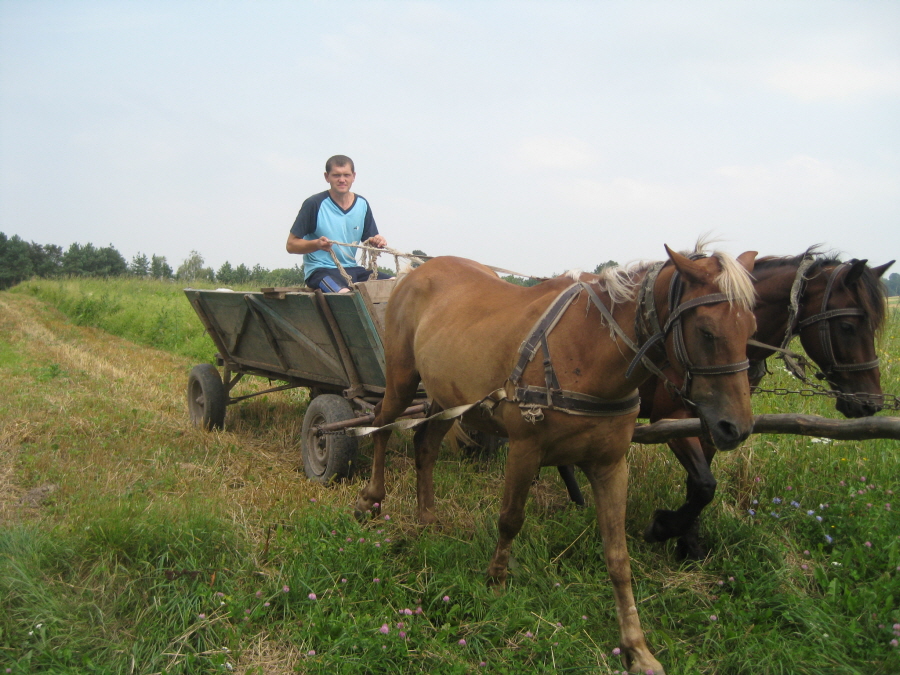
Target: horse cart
{"points": [[329, 343]]}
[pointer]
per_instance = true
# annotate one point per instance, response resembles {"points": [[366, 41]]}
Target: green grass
{"points": [[146, 311], [167, 550]]}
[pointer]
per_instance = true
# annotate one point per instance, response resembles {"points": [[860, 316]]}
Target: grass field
{"points": [[131, 542]]}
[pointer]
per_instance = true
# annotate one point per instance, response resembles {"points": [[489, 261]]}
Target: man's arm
{"points": [[301, 246]]}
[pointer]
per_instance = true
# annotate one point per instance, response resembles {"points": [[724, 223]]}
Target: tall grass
{"points": [[166, 549], [147, 311]]}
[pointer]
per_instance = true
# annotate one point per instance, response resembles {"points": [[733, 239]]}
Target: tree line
{"points": [[21, 260]]}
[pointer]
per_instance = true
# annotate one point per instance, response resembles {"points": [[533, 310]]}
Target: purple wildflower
{"points": [[385, 629], [312, 596], [616, 651]]}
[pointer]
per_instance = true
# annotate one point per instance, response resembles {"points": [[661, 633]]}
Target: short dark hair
{"points": [[339, 160]]}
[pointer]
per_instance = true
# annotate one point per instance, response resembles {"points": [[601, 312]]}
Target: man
{"points": [[334, 215]]}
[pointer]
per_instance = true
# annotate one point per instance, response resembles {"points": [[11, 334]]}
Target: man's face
{"points": [[340, 178]]}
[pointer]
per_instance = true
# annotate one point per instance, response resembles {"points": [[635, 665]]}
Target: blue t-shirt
{"points": [[320, 217]]}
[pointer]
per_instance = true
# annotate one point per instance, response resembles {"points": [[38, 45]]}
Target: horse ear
{"points": [[857, 267], [747, 259], [881, 269], [689, 269]]}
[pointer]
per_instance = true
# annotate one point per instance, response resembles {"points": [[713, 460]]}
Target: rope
{"points": [[370, 258], [371, 253]]}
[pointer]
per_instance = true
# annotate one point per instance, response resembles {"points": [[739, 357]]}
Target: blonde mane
{"points": [[734, 281]]}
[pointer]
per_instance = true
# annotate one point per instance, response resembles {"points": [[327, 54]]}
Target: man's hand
{"points": [[303, 246], [377, 240]]}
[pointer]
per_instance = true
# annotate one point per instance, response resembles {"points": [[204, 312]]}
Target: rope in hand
{"points": [[370, 258]]}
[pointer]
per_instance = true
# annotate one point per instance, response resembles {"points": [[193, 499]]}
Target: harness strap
{"points": [[542, 328], [552, 396]]}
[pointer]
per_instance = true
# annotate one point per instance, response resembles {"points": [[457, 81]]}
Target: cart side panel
{"points": [[286, 337], [360, 334], [375, 294]]}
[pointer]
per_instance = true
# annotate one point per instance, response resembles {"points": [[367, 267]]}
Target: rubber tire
{"points": [[329, 457], [206, 397]]}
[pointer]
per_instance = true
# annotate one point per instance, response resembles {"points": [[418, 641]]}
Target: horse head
{"points": [[707, 337], [842, 313]]}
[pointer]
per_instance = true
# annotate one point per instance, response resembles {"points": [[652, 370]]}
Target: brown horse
{"points": [[452, 324], [839, 310]]}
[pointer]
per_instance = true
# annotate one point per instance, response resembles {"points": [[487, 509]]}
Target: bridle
{"points": [[647, 317], [831, 364]]}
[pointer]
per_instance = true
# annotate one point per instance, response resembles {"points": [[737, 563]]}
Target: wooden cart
{"points": [[329, 343]]}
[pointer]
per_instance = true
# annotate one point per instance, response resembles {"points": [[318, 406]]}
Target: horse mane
{"points": [[870, 290]]}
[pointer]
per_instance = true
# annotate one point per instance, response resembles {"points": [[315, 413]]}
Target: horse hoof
{"points": [[655, 532], [690, 551]]}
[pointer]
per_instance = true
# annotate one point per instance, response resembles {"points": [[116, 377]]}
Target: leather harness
{"points": [[533, 399]]}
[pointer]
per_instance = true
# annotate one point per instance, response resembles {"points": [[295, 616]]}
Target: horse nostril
{"points": [[728, 433]]}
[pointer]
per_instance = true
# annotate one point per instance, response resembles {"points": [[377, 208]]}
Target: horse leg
{"points": [[695, 457], [567, 473], [610, 487], [427, 444], [522, 465], [396, 400], [689, 546]]}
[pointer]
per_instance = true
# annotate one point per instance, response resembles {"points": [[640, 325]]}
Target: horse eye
{"points": [[707, 334], [847, 327]]}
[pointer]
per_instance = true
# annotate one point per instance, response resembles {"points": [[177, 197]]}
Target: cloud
{"points": [[828, 79]]}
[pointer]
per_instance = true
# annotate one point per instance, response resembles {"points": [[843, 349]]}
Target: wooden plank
{"points": [[360, 334], [375, 294]]}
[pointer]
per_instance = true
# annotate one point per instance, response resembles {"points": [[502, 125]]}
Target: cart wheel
{"points": [[328, 457], [206, 397]]}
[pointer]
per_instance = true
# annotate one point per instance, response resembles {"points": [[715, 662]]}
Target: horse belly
{"points": [[577, 439]]}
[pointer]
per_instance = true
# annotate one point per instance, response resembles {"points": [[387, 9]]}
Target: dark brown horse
{"points": [[838, 310], [470, 337]]}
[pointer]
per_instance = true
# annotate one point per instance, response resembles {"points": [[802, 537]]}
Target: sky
{"points": [[535, 136]]}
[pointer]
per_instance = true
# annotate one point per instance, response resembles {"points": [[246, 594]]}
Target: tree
{"points": [[159, 268], [225, 274], [15, 260], [286, 277], [46, 260], [258, 273], [140, 266], [602, 266], [241, 274], [192, 268], [87, 260], [109, 263], [893, 284]]}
